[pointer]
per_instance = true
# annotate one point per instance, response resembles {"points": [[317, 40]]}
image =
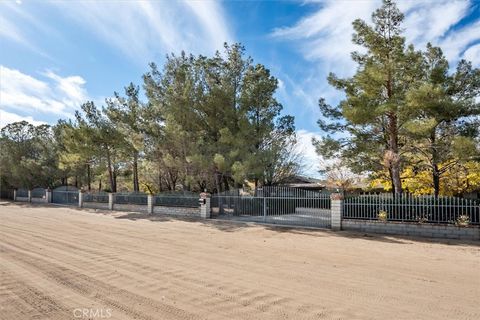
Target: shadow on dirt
{"points": [[233, 226]]}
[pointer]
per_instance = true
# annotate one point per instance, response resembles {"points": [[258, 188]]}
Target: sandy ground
{"points": [[55, 263]]}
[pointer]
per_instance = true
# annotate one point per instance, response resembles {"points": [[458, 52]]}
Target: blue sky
{"points": [[54, 55]]}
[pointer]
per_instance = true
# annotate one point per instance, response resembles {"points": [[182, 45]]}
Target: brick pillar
{"points": [[205, 205], [150, 204], [80, 198], [29, 195], [110, 200], [336, 210], [14, 194], [48, 196]]}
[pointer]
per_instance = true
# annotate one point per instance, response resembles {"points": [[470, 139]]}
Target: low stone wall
{"points": [[177, 211], [413, 229], [95, 205], [38, 200], [130, 207]]}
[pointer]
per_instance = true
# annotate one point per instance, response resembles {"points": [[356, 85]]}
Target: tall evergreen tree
{"points": [[442, 108], [372, 114], [127, 113]]}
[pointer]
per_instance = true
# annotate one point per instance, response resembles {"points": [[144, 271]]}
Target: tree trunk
{"points": [[391, 180], [114, 180], [217, 182], [89, 178], [225, 182], [136, 187], [435, 171], [110, 172], [393, 156], [436, 180]]}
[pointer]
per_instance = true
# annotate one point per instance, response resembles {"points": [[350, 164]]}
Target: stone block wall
{"points": [[95, 205], [413, 229], [179, 211]]}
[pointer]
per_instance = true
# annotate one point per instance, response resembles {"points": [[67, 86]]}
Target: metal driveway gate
{"points": [[277, 205], [65, 195]]}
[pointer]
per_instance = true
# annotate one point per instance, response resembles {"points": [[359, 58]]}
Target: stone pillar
{"points": [[110, 200], [14, 194], [80, 198], [205, 205], [48, 196], [150, 204], [29, 195], [337, 210]]}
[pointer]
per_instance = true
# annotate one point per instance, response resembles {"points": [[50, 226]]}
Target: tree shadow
{"points": [[221, 225], [230, 225]]}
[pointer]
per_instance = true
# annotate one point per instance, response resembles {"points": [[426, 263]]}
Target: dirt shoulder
{"points": [[55, 261]]}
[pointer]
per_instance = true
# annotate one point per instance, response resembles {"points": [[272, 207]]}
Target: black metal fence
{"points": [[38, 193], [411, 208], [282, 205], [100, 197], [22, 193], [65, 197], [131, 198], [177, 199], [6, 194]]}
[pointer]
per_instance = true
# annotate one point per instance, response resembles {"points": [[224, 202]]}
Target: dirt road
{"points": [[60, 263]]}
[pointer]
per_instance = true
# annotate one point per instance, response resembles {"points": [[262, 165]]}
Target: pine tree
{"points": [[372, 114]]}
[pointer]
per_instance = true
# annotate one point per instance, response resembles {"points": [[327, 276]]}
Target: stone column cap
{"points": [[204, 195], [337, 196]]}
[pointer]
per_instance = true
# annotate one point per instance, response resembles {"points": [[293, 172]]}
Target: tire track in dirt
{"points": [[42, 306], [115, 297], [225, 263], [220, 294], [261, 306], [222, 299], [223, 271]]}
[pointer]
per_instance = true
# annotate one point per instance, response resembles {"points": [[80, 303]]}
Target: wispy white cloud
{"points": [[10, 31], [312, 162], [473, 54], [324, 37], [143, 29], [431, 20], [16, 25], [10, 117], [456, 43], [211, 17], [324, 40], [54, 95]]}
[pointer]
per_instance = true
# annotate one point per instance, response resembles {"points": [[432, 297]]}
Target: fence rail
{"points": [[100, 197], [280, 205], [409, 208], [23, 193], [131, 198], [176, 201], [6, 194], [65, 197], [38, 193]]}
